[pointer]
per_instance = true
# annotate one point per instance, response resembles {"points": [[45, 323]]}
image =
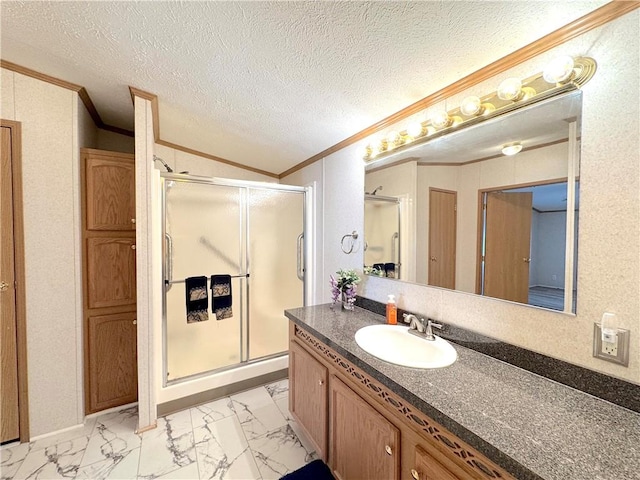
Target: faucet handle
{"points": [[406, 317], [434, 324]]}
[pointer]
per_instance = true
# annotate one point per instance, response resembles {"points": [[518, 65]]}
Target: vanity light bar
{"points": [[563, 74]]}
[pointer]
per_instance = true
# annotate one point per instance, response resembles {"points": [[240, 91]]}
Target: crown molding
{"points": [[594, 19], [79, 89]]}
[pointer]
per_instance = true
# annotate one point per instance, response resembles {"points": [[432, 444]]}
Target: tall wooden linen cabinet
{"points": [[109, 272]]}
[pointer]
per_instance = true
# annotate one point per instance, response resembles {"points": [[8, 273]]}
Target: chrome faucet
{"points": [[419, 325], [429, 332], [414, 323]]}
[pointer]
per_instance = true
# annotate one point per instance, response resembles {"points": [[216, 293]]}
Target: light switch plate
{"points": [[616, 353]]}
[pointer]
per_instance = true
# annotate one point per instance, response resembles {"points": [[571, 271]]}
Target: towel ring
{"points": [[353, 235]]}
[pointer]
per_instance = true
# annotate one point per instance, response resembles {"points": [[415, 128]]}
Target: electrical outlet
{"points": [[611, 348], [616, 351]]}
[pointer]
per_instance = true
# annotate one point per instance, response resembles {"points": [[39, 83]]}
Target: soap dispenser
{"points": [[392, 311]]}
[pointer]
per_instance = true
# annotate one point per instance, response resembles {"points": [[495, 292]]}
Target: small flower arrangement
{"points": [[344, 287]]}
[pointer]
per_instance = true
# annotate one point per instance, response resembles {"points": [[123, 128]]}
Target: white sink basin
{"points": [[394, 344]]}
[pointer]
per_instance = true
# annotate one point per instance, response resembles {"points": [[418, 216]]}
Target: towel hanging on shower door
{"points": [[197, 299], [221, 299]]}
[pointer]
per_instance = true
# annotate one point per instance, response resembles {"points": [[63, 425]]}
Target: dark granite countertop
{"points": [[530, 425]]}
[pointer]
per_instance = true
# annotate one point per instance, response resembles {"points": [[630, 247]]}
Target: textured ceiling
{"points": [[269, 84]]}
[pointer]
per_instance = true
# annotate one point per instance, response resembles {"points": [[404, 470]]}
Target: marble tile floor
{"points": [[250, 435]]}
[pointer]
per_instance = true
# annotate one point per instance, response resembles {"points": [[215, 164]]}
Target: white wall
{"points": [[609, 241], [50, 118], [547, 261]]}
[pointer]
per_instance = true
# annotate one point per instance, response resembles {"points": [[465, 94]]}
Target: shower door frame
{"points": [[304, 267]]}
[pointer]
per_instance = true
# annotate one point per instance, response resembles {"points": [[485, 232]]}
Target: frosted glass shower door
{"points": [[276, 219], [205, 232]]}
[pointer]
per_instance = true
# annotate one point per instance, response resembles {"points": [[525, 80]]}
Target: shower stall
{"points": [[251, 231], [382, 232]]}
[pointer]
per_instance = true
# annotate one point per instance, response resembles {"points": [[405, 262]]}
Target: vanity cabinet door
{"points": [[308, 396], [428, 468], [363, 443]]}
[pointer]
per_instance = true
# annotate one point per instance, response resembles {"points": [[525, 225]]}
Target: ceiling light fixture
{"points": [[472, 106], [512, 89], [416, 129], [511, 148], [562, 75], [559, 70]]}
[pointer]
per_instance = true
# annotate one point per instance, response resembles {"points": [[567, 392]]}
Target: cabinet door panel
{"points": [[113, 368], [110, 194], [428, 468], [363, 443], [111, 272], [308, 396]]}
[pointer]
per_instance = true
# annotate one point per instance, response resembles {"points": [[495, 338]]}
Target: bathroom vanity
{"points": [[479, 418]]}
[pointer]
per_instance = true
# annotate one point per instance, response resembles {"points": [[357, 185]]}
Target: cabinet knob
{"points": [[387, 449], [4, 286], [135, 322], [133, 247], [133, 221], [320, 382], [414, 474]]}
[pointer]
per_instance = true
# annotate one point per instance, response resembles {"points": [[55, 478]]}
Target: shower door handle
{"points": [[300, 265], [168, 262]]}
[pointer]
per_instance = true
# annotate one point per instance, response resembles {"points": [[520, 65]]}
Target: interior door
{"points": [[9, 413], [507, 245], [442, 238]]}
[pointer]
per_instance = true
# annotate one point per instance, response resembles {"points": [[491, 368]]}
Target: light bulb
{"points": [[416, 129], [510, 89], [373, 148], [512, 148], [440, 119], [558, 70], [365, 153], [471, 106], [394, 139]]}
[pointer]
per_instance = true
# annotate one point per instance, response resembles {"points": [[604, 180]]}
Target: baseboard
{"points": [[216, 393]]}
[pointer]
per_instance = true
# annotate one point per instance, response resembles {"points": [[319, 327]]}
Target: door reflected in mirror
{"points": [[457, 213]]}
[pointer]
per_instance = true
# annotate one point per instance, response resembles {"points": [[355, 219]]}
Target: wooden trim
{"points": [[153, 98], [20, 275], [79, 89], [479, 226], [582, 25], [491, 157], [107, 153], [213, 157], [121, 131], [147, 428], [135, 92], [91, 108], [40, 76]]}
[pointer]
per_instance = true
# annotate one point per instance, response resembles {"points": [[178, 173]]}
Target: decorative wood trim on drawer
{"points": [[481, 465]]}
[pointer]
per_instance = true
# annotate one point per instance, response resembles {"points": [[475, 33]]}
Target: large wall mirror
{"points": [[455, 212]]}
